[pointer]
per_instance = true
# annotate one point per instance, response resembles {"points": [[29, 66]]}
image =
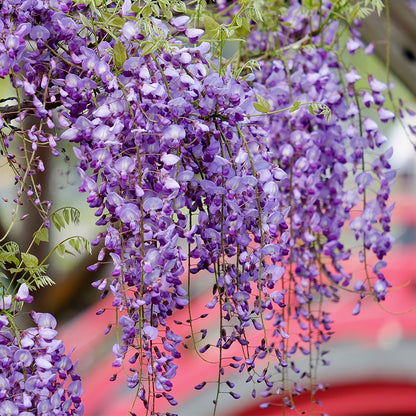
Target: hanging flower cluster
{"points": [[329, 175], [36, 377], [183, 162], [320, 154], [169, 165]]}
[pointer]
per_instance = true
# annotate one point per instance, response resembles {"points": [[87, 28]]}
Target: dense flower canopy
{"points": [[247, 172]]}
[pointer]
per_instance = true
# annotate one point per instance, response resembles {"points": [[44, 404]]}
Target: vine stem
{"points": [[220, 348], [189, 300], [323, 108], [360, 118], [261, 237]]}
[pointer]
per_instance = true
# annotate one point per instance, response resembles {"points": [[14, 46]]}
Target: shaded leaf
{"points": [[60, 250], [41, 235], [120, 54], [85, 21]]}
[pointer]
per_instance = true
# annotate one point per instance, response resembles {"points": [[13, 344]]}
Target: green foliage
{"points": [[65, 216], [377, 5], [41, 235], [37, 278], [85, 21], [262, 104], [320, 109], [211, 26], [120, 54], [25, 267], [29, 260], [247, 67], [8, 254], [73, 245]]}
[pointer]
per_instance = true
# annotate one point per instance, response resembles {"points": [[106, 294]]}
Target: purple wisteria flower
{"points": [[36, 376]]}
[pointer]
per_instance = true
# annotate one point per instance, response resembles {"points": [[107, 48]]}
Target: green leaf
{"points": [[120, 54], [78, 243], [242, 29], [146, 11], [378, 5], [155, 9], [254, 13], [320, 109], [65, 216], [42, 281], [30, 260], [310, 4], [211, 26], [295, 106], [11, 247], [58, 221], [75, 244], [364, 12], [38, 278], [117, 21], [353, 12], [166, 9], [249, 67], [41, 235], [148, 48], [60, 250], [14, 270], [262, 104], [312, 110], [85, 21], [179, 7], [8, 253]]}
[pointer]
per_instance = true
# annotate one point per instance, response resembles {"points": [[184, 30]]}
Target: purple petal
{"points": [[150, 332], [385, 115], [179, 23], [6, 302], [129, 213], [375, 84], [44, 320], [152, 204], [194, 34], [23, 294]]}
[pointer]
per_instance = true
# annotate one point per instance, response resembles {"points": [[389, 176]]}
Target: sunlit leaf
{"points": [[211, 26], [30, 260], [262, 104]]}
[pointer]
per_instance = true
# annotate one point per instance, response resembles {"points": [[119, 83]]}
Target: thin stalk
{"points": [[261, 236]]}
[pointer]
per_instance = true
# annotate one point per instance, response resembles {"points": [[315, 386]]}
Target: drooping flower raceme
{"points": [[36, 376], [164, 162], [327, 178], [169, 171]]}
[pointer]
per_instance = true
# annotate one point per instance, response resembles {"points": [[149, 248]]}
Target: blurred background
{"points": [[373, 356]]}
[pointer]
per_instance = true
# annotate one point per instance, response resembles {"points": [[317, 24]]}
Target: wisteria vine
{"points": [[243, 170]]}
